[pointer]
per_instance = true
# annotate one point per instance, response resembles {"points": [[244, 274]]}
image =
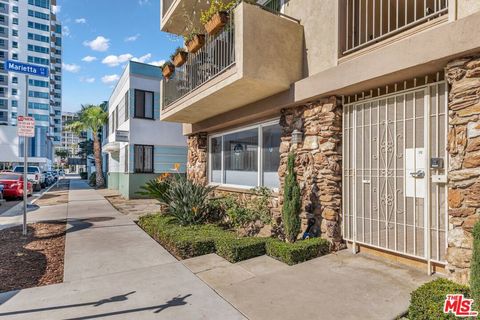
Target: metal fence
{"points": [[217, 55], [369, 21]]}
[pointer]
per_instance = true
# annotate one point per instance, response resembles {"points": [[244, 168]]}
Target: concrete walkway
{"points": [[114, 270]]}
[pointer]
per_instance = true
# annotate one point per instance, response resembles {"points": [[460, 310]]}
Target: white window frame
{"points": [[259, 126]]}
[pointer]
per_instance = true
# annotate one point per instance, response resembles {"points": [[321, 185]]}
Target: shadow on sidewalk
{"points": [[174, 302]]}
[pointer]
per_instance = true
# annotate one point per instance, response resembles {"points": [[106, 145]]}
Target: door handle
{"points": [[420, 174]]}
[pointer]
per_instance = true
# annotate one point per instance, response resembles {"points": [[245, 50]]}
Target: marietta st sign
{"points": [[28, 69]]}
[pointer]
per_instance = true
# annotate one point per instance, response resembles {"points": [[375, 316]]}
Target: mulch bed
{"points": [[35, 260]]}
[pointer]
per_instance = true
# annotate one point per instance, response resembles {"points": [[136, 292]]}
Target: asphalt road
{"points": [[9, 203]]}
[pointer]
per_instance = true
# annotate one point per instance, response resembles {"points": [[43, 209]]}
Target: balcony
{"points": [[370, 21], [174, 13], [257, 54]]}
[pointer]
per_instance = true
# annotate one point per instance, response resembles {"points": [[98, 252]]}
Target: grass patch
{"points": [[235, 250], [300, 251]]}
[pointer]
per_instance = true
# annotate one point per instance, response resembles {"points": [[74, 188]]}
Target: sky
{"points": [[99, 37]]}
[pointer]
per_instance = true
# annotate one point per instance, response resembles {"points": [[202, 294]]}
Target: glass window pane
{"points": [[241, 158], [271, 155], [139, 104], [216, 165], [148, 167], [148, 105]]}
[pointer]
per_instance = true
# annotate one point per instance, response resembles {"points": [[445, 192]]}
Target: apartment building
{"points": [[140, 147], [378, 99], [30, 33]]}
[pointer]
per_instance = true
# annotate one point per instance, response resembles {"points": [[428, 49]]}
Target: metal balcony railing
{"points": [[369, 21], [216, 56]]}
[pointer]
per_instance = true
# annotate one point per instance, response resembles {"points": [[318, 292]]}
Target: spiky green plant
{"points": [[92, 117], [291, 202]]}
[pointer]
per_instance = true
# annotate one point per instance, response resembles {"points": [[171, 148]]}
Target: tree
{"points": [[92, 117], [475, 266], [62, 153], [291, 202], [85, 148]]}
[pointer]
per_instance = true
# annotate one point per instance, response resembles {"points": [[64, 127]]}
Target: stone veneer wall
{"points": [[318, 163], [464, 168], [197, 158]]}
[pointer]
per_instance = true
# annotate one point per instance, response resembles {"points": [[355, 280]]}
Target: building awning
{"points": [[111, 147]]}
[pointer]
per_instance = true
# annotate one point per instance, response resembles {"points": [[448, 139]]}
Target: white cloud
{"points": [[56, 9], [113, 61], [89, 59], [132, 38], [66, 31], [81, 20], [157, 63], [142, 2], [110, 78], [143, 58], [100, 43], [71, 67], [87, 79]]}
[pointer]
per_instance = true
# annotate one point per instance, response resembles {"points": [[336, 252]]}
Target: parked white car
{"points": [[35, 175]]}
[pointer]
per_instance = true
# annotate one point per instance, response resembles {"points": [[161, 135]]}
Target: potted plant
{"points": [[167, 69], [179, 57], [216, 16], [194, 41]]}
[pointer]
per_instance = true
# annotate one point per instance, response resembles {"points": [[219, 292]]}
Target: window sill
{"points": [[141, 118]]}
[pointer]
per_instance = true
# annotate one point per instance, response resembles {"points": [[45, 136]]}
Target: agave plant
{"points": [[188, 201]]}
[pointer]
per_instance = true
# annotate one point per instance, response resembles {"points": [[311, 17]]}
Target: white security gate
{"points": [[394, 177]]}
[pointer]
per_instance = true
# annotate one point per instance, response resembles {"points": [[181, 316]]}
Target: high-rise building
{"points": [[30, 33]]}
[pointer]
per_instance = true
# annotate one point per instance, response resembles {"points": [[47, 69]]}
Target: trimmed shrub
{"points": [[300, 251], [475, 267], [428, 300], [182, 241], [291, 202], [83, 175], [239, 249]]}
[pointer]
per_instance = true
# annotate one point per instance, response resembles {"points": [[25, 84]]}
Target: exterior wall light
{"points": [[297, 136]]}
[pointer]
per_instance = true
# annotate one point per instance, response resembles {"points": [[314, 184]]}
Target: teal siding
{"points": [[166, 157], [156, 106], [145, 70]]}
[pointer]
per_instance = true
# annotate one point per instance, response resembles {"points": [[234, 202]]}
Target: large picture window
{"points": [[144, 104], [143, 158], [246, 158]]}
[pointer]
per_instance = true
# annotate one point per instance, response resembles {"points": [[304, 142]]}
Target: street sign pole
{"points": [[25, 164], [26, 124]]}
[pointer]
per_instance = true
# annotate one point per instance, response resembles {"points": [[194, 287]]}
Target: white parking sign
{"points": [[26, 126]]}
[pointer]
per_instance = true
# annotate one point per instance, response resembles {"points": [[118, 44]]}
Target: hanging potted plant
{"points": [[179, 57], [194, 41], [216, 16], [167, 69]]}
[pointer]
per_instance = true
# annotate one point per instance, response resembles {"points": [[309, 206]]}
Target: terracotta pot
{"points": [[217, 22], [196, 43], [180, 59], [168, 70]]}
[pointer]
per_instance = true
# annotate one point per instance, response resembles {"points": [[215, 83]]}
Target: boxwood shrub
{"points": [[183, 242], [239, 249], [427, 301], [300, 251]]}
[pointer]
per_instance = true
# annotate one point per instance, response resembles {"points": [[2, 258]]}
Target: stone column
{"points": [[463, 75], [318, 163], [197, 158]]}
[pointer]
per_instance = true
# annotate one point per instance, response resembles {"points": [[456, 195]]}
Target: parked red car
{"points": [[13, 185]]}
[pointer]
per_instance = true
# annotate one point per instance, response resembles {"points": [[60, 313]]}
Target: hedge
{"points": [[300, 251], [428, 300], [183, 242], [239, 249]]}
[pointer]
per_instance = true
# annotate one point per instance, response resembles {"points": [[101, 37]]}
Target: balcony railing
{"points": [[216, 56], [166, 4], [369, 21]]}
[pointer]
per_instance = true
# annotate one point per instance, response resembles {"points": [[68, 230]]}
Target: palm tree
{"points": [[92, 117]]}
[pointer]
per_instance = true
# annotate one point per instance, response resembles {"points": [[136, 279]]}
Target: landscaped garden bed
{"points": [[34, 260], [297, 252]]}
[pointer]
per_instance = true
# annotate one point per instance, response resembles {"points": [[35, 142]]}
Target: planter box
{"points": [[196, 43], [168, 70], [217, 22], [180, 58]]}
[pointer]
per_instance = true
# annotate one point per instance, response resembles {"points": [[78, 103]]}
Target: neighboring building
{"points": [[379, 100], [30, 33], [71, 143], [140, 146]]}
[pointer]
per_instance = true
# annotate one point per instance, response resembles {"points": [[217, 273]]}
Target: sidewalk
{"points": [[114, 270]]}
